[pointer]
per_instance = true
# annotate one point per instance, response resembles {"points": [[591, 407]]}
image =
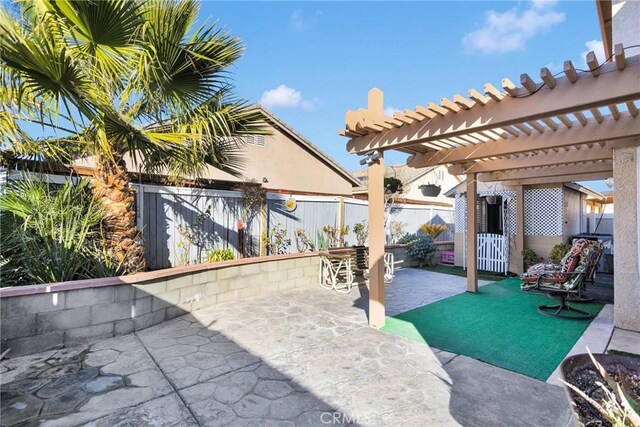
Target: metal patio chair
{"points": [[336, 270], [564, 283]]}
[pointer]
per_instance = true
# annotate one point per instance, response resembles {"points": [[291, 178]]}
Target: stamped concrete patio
{"points": [[305, 357]]}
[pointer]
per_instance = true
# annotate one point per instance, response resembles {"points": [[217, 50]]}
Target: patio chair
{"points": [[563, 283], [336, 270], [593, 258], [389, 267]]}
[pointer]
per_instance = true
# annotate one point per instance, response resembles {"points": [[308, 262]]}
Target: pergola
{"points": [[562, 128]]}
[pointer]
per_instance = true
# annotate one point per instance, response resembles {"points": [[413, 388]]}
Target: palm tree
{"points": [[105, 78]]}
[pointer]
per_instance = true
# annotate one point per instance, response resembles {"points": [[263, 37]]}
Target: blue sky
{"points": [[310, 62]]}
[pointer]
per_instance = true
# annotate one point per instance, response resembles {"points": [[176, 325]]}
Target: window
{"points": [[491, 214], [249, 139], [260, 140]]}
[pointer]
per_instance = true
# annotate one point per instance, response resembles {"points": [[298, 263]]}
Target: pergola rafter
{"points": [[559, 172], [551, 158], [612, 86], [561, 128]]}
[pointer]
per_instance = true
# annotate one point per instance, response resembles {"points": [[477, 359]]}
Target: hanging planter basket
{"points": [[392, 185], [430, 190]]}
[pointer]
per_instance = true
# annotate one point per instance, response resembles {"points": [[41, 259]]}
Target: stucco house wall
{"points": [[283, 161]]}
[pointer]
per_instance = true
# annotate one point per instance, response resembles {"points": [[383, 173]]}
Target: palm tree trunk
{"points": [[122, 240]]}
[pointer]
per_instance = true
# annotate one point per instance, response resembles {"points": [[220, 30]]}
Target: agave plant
{"points": [[115, 79]]}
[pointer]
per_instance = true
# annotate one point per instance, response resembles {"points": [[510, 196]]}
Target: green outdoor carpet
{"points": [[499, 325]]}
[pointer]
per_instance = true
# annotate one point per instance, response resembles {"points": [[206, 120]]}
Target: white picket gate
{"points": [[493, 252]]}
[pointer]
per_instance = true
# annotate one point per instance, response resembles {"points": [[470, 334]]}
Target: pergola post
{"points": [[376, 243], [472, 233], [519, 261]]}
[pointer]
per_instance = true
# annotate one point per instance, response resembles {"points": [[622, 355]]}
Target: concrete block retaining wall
{"points": [[43, 317]]}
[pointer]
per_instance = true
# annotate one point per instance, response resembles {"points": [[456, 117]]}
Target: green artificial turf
{"points": [[499, 325]]}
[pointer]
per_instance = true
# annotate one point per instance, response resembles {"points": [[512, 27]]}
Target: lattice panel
{"points": [[460, 213], [460, 206], [543, 212]]}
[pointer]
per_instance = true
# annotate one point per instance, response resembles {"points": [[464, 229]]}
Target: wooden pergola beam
{"points": [[611, 87], [589, 176], [592, 154], [590, 133], [555, 171]]}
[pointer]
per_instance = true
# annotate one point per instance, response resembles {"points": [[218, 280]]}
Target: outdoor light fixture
{"points": [[371, 158], [609, 182]]}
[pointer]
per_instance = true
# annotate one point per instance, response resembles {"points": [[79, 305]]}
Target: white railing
{"points": [[493, 252]]}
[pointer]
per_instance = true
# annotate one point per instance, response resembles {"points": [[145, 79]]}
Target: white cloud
{"points": [[510, 30], [390, 110], [597, 47], [300, 21], [284, 96], [311, 104]]}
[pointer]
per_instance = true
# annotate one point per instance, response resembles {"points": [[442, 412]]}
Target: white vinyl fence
{"points": [[493, 250]]}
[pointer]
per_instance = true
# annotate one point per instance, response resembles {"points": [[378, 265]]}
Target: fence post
{"points": [[340, 219], [263, 225]]}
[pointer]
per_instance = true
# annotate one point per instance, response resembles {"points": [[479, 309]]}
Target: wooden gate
{"points": [[493, 251]]}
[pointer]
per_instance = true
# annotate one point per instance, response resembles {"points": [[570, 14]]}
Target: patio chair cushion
{"points": [[554, 272]]}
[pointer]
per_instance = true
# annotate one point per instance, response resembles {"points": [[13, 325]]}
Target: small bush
{"points": [[559, 251], [433, 230], [419, 246], [361, 229], [50, 234], [220, 255], [396, 230], [277, 241], [303, 241], [335, 234], [530, 257]]}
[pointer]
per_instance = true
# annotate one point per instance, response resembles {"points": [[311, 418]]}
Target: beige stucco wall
{"points": [[438, 176], [625, 236], [289, 166], [572, 213], [284, 162]]}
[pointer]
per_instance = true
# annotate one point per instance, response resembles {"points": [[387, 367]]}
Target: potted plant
{"points": [[361, 230], [392, 185], [335, 235], [603, 389], [430, 190]]}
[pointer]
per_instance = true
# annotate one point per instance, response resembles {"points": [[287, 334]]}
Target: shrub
{"points": [[559, 251], [276, 241], [335, 234], [396, 230], [433, 230], [361, 229], [419, 246], [303, 241], [220, 255], [530, 257], [51, 234]]}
